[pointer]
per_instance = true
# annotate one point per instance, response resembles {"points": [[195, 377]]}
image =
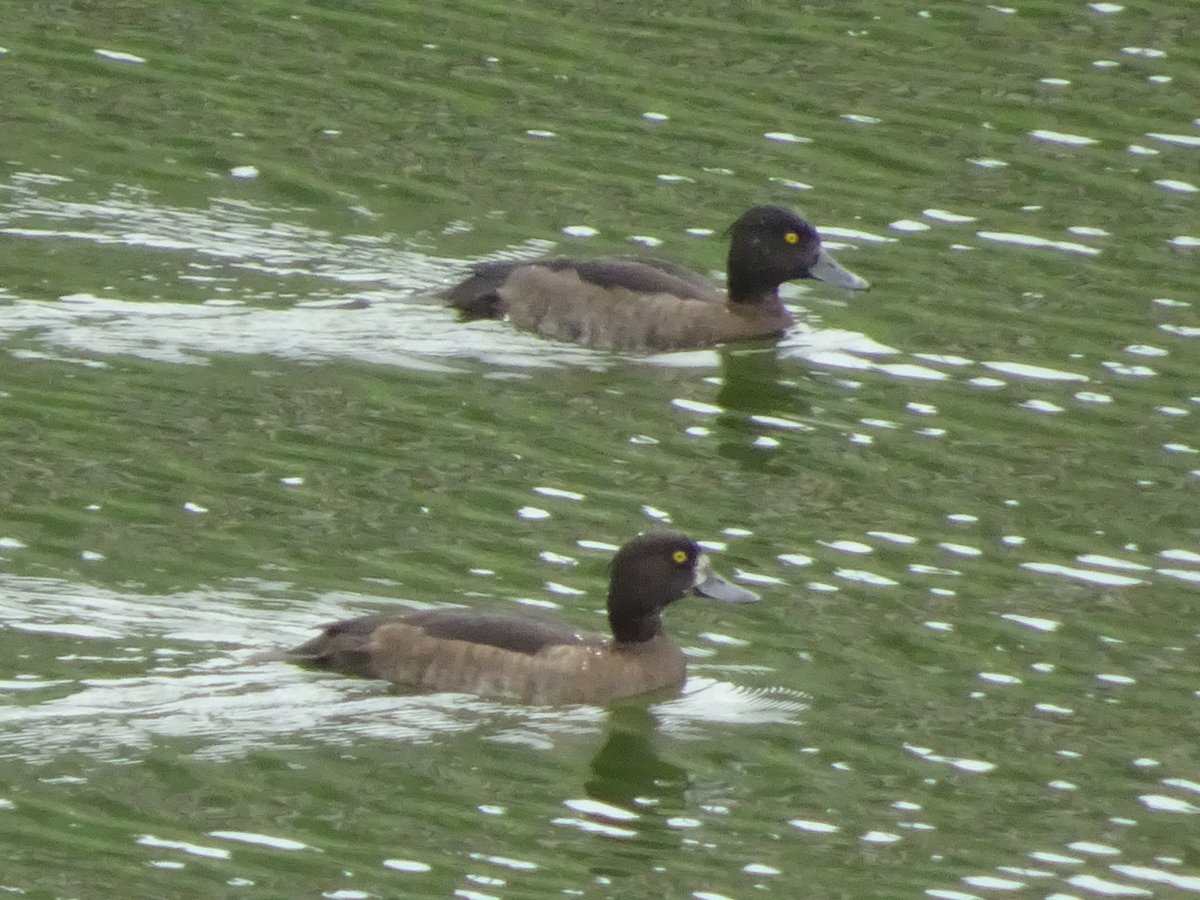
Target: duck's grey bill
{"points": [[828, 269], [716, 587]]}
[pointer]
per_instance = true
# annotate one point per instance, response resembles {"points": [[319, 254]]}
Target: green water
{"points": [[968, 498]]}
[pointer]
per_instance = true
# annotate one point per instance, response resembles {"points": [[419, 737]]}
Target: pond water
{"points": [[229, 413]]}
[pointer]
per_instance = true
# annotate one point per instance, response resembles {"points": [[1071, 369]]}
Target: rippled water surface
{"points": [[229, 413]]}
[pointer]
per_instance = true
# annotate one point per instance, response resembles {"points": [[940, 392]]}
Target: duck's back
{"points": [[480, 296], [352, 645]]}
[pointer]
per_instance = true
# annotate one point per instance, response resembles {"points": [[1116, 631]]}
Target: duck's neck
{"points": [[745, 288], [636, 631]]}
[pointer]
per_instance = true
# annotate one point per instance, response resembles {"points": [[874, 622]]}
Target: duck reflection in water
{"points": [[627, 766]]}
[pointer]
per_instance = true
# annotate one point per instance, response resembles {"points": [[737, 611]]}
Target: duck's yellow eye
{"points": [[679, 556], [791, 237]]}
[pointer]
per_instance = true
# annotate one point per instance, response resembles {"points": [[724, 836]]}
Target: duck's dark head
{"points": [[769, 245], [653, 571]]}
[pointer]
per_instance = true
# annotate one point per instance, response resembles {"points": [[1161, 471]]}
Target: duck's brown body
{"points": [[570, 668], [562, 306]]}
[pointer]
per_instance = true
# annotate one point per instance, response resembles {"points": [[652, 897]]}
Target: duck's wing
{"points": [[517, 634], [479, 296], [644, 275]]}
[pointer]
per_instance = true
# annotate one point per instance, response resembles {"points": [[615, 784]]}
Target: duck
{"points": [[643, 304], [535, 660]]}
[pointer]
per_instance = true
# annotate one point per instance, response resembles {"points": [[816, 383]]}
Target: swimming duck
{"points": [[628, 303], [535, 660]]}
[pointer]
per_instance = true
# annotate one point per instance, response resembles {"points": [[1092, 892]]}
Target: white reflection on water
{"points": [[707, 700], [208, 694], [119, 56], [951, 218], [974, 766], [814, 826], [1087, 575], [1029, 240], [1099, 559], [261, 840], [407, 335], [1181, 140], [1148, 873], [149, 840], [1172, 184], [1025, 370], [1059, 137]]}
